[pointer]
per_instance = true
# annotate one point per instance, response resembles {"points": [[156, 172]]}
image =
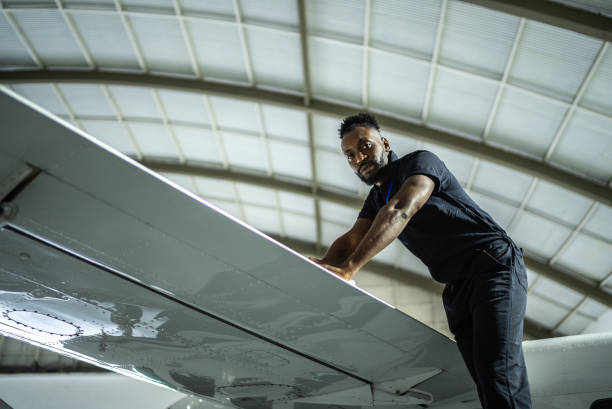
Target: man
{"points": [[418, 200]]}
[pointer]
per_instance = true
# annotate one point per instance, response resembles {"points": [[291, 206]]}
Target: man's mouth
{"points": [[367, 168]]}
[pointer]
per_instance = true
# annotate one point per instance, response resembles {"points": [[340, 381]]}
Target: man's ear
{"points": [[386, 144]]}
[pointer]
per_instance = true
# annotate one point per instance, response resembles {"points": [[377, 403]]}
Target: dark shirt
{"points": [[447, 231]]}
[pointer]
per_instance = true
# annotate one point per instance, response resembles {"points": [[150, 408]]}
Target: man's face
{"points": [[366, 152]]}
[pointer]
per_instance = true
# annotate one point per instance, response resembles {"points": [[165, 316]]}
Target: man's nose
{"points": [[361, 157]]}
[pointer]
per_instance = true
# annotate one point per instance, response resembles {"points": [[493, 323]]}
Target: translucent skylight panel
{"points": [[397, 84], [162, 44], [553, 60], [245, 151], [218, 50], [502, 181], [559, 203], [342, 19], [256, 195], [294, 202], [300, 227], [184, 181], [501, 212], [198, 145], [274, 12], [154, 140], [589, 256], [12, 51], [147, 4], [389, 254], [87, 100], [458, 163], [544, 312], [215, 7], [334, 171], [597, 94], [215, 188], [400, 144], [337, 213], [106, 39], [526, 122], [593, 308], [265, 220], [52, 40], [564, 295], [574, 325], [477, 39], [586, 145], [531, 278], [331, 231], [229, 207], [184, 106], [461, 102], [135, 102], [276, 58], [111, 133], [335, 70], [235, 114], [407, 26], [43, 95], [600, 222], [539, 235], [325, 130], [410, 262], [285, 122], [290, 159]]}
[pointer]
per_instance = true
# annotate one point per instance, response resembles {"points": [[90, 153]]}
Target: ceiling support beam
{"points": [[590, 290], [538, 168], [555, 14]]}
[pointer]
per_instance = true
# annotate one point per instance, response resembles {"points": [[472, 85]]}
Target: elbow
{"points": [[397, 216]]}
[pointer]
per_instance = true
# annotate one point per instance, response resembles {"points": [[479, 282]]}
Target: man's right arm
{"points": [[344, 245]]}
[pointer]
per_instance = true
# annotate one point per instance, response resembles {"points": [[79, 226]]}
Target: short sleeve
{"points": [[369, 209], [422, 163]]}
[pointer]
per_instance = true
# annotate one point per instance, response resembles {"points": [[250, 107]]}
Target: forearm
{"points": [[340, 249]]}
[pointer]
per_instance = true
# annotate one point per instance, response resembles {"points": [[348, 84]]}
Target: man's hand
{"points": [[341, 271]]}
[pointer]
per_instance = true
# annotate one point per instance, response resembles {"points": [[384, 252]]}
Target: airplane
{"points": [[105, 261]]}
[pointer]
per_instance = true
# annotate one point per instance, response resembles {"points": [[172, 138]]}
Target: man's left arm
{"points": [[388, 223]]}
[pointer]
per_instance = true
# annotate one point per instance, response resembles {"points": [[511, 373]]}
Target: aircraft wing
{"points": [[105, 261]]}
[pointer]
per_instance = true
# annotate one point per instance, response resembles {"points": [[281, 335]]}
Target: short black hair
{"points": [[361, 119]]}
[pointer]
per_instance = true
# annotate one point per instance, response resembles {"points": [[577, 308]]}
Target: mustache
{"points": [[371, 162]]}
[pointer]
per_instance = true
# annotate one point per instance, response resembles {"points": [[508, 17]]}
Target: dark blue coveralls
{"points": [[486, 282]]}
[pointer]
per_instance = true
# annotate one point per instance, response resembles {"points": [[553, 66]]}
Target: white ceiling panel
{"points": [[147, 4], [230, 207], [334, 171], [539, 235], [43, 95], [198, 144], [400, 144], [215, 189], [553, 60], [86, 100], [409, 27], [290, 159], [331, 231], [338, 213], [397, 84], [526, 122], [588, 256], [184, 181], [461, 102], [162, 33], [410, 262], [111, 133], [218, 50], [501, 212], [600, 222], [300, 227], [12, 52], [574, 325], [593, 308], [531, 278], [270, 12], [564, 295], [390, 254], [544, 312], [106, 39], [154, 140], [217, 8], [502, 181], [107, 4], [325, 130], [52, 40], [335, 70], [256, 195], [245, 151], [477, 39], [586, 145], [343, 19], [458, 163], [184, 106], [135, 102], [597, 94], [234, 114], [276, 59], [293, 202], [285, 122], [559, 203]]}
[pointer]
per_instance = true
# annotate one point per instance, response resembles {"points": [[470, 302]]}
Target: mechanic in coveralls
{"points": [[417, 200]]}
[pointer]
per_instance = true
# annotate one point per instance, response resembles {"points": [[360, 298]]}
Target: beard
{"points": [[381, 169]]}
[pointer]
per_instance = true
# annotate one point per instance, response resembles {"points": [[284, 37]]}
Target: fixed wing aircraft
{"points": [[105, 261]]}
